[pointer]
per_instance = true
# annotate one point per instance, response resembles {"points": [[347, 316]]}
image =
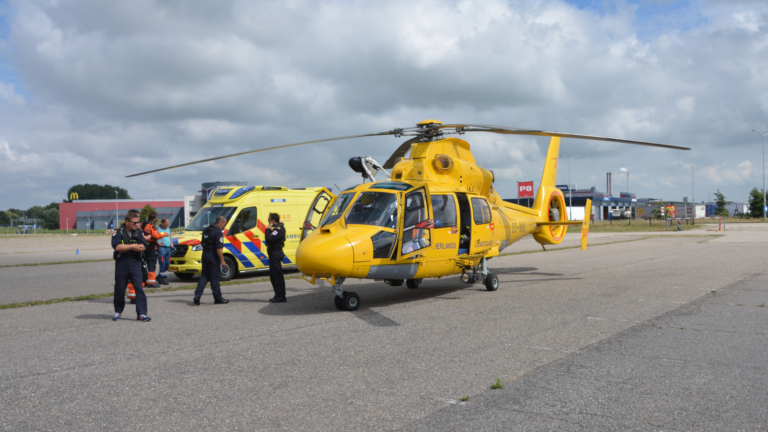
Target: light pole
{"points": [[762, 139], [67, 225], [116, 216], [570, 192], [693, 192]]}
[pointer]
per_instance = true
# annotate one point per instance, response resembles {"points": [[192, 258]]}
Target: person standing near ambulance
{"points": [[129, 243], [213, 255], [274, 237], [152, 236], [164, 250]]}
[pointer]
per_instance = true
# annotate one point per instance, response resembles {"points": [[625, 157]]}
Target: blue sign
{"points": [[765, 208], [278, 200]]}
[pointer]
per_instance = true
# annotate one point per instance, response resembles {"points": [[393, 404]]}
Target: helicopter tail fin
{"points": [[548, 177]]}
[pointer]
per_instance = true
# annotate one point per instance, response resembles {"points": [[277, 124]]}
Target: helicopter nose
{"points": [[325, 255]]}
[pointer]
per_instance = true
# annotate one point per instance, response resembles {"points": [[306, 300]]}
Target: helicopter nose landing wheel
{"points": [[413, 283], [491, 282]]}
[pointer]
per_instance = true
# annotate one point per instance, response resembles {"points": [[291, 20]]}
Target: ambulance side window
{"points": [[245, 221]]}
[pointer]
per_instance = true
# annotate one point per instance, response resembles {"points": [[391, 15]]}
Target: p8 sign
{"points": [[525, 189]]}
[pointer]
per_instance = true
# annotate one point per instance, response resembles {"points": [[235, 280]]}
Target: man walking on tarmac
{"points": [[213, 261], [129, 243], [152, 236], [274, 237]]}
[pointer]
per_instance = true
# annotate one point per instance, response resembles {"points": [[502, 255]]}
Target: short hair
{"points": [[152, 216], [163, 220], [131, 214], [219, 219], [275, 217]]}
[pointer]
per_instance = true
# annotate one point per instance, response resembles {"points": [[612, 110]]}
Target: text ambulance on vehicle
{"points": [[247, 210]]}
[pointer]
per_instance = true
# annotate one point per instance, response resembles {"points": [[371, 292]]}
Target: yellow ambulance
{"points": [[247, 209]]}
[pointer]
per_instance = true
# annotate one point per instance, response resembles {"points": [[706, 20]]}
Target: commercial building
{"points": [[101, 214]]}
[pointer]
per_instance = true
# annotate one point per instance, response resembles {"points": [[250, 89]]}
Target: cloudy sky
{"points": [[92, 90]]}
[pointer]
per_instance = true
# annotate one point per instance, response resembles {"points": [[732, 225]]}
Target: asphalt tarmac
{"points": [[406, 357]]}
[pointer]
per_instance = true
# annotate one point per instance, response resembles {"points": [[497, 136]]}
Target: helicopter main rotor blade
{"points": [[392, 132], [400, 152], [515, 131]]}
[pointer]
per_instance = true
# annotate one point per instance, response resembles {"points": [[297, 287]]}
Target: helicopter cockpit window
{"points": [[341, 204], [416, 231], [374, 208], [443, 211], [398, 186], [481, 211]]}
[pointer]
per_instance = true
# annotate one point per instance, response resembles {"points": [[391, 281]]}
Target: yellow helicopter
{"points": [[436, 215]]}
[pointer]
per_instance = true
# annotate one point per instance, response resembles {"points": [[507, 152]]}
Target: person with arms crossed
{"points": [[129, 243]]}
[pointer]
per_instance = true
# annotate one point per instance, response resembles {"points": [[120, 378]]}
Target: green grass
{"points": [[464, 398], [654, 225], [498, 384], [56, 263], [106, 295]]}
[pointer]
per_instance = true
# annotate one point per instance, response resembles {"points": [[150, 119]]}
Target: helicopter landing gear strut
{"points": [[490, 280], [346, 301]]}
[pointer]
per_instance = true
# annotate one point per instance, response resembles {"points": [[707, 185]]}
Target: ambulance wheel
{"points": [[413, 283], [394, 282], [184, 276], [338, 302], [229, 272], [350, 302], [491, 282]]}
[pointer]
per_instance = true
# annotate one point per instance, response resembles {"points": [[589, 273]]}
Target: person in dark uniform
{"points": [[213, 261], [274, 237], [129, 244]]}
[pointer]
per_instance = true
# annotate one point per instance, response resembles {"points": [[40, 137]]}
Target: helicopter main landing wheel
{"points": [[413, 283], [491, 282], [350, 302], [394, 282], [338, 302]]}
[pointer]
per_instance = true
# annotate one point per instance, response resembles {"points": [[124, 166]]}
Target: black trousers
{"points": [[212, 274], [129, 270], [276, 273]]}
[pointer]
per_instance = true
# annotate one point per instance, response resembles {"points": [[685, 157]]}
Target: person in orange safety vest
{"points": [[152, 236]]}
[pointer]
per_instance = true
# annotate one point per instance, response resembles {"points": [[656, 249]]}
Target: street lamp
{"points": [[693, 192], [762, 139], [570, 192]]}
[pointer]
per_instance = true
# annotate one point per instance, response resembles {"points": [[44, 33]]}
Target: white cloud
{"points": [[151, 83]]}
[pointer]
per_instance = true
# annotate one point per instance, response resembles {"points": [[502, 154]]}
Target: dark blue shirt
{"points": [[122, 236], [213, 239]]}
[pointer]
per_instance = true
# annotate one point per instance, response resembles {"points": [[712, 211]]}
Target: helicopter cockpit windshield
{"points": [[374, 208], [341, 204]]}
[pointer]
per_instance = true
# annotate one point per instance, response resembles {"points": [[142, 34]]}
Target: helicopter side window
{"points": [[443, 211], [481, 210], [341, 204], [374, 208]]}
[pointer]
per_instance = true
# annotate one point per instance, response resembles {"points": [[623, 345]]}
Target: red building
{"points": [[99, 214]]}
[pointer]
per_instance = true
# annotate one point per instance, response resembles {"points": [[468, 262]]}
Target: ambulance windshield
{"points": [[208, 215]]}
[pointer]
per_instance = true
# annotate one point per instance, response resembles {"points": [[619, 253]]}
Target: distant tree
{"points": [[4, 218], [145, 212], [94, 191], [756, 203], [659, 212], [50, 219], [720, 204]]}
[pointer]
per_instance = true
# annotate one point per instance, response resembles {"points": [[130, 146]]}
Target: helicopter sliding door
{"points": [[445, 235], [416, 232], [316, 211], [482, 225]]}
